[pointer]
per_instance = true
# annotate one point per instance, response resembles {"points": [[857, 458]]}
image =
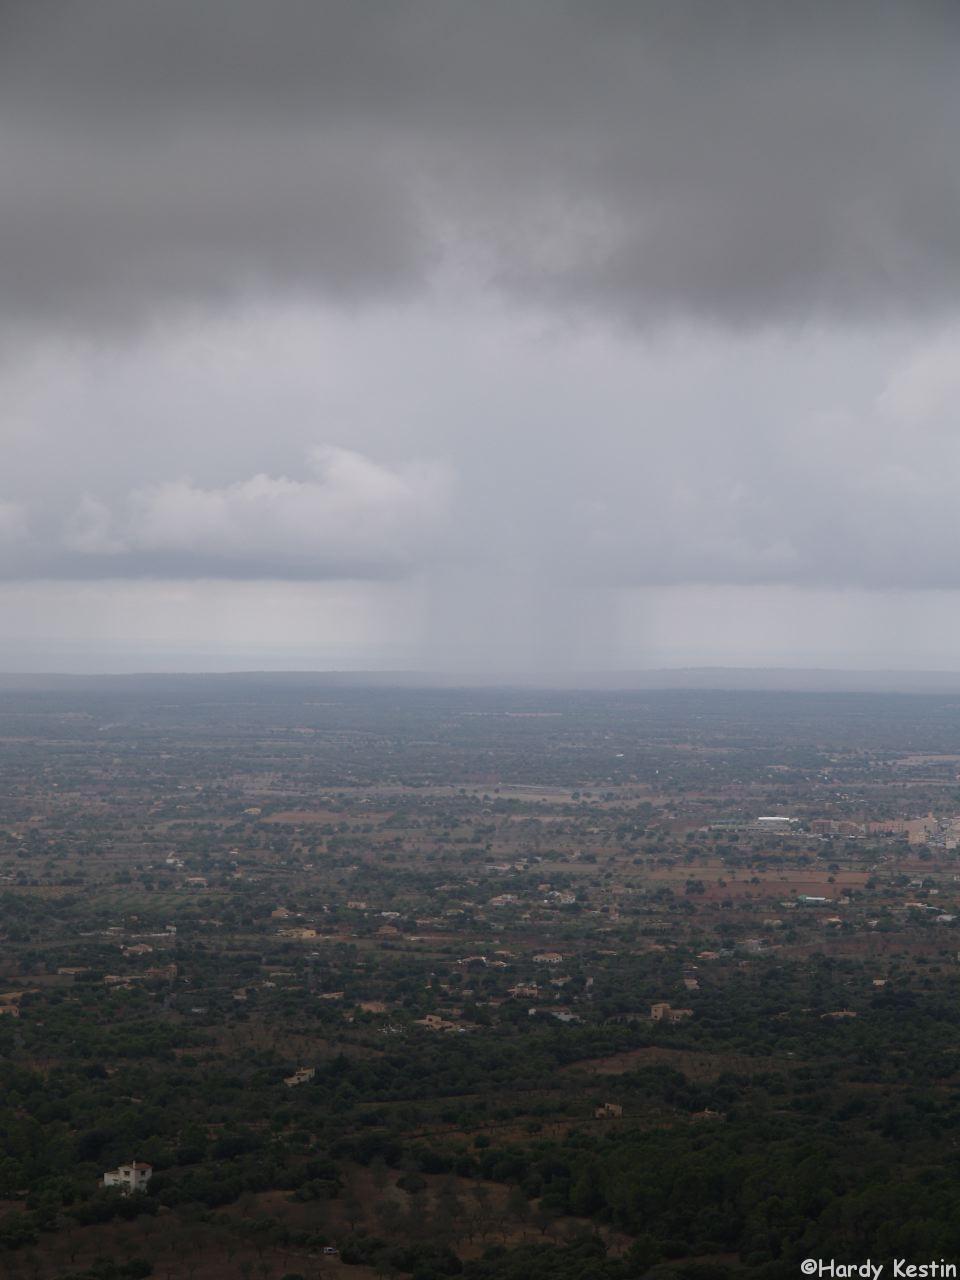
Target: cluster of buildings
{"points": [[924, 830]]}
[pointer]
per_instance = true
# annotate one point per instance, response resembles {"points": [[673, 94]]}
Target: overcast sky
{"points": [[479, 334]]}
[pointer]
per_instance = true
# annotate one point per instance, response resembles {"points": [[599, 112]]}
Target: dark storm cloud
{"points": [[735, 162]]}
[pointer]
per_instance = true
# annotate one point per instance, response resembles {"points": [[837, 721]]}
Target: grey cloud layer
{"points": [[480, 169], [738, 162]]}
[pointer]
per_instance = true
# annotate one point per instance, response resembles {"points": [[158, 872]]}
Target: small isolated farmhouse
{"points": [[303, 1075], [129, 1177], [662, 1010]]}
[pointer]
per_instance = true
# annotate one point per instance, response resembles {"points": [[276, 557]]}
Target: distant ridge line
{"points": [[720, 679]]}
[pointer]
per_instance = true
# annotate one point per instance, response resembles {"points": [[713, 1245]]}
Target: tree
{"points": [[379, 1173], [518, 1206]]}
